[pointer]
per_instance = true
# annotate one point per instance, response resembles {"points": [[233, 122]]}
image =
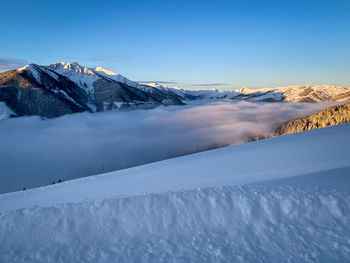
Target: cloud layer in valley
{"points": [[36, 152], [156, 81], [208, 84]]}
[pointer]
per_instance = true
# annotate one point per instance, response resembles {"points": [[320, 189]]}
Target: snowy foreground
{"points": [[285, 199]]}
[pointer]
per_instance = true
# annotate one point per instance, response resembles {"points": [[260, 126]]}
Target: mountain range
{"points": [[65, 88]]}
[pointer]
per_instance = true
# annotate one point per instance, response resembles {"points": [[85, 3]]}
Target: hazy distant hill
{"points": [[317, 93]]}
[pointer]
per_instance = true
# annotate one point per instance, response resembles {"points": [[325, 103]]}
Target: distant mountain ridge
{"points": [[317, 93], [65, 88]]}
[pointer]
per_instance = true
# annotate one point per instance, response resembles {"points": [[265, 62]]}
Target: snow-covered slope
{"points": [[62, 88], [276, 158], [88, 78], [255, 223], [121, 78], [82, 76], [197, 208]]}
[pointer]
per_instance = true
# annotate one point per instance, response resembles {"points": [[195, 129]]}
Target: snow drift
{"points": [[228, 224], [196, 208]]}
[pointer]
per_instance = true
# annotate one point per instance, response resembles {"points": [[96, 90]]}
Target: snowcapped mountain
{"points": [[315, 93], [63, 88]]}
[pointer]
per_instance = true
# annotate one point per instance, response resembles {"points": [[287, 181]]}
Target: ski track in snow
{"points": [[285, 199]]}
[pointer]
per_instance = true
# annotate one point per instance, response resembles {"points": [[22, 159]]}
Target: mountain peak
{"points": [[71, 67], [27, 67], [69, 64], [244, 90], [106, 71]]}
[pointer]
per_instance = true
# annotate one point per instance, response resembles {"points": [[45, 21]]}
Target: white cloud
{"points": [[35, 152]]}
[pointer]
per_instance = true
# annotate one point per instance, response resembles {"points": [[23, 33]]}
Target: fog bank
{"points": [[35, 152]]}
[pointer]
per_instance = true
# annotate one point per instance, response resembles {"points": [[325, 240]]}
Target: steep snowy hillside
{"points": [[121, 78], [162, 93], [281, 199], [37, 90], [62, 88]]}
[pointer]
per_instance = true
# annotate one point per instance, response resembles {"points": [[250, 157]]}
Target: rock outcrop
{"points": [[329, 117]]}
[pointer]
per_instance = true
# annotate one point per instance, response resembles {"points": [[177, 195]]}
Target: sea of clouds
{"points": [[35, 151]]}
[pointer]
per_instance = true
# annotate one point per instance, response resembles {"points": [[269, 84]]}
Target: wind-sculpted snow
{"points": [[35, 152], [285, 199], [253, 223]]}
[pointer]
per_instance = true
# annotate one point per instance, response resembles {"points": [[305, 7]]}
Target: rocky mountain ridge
{"points": [[65, 88]]}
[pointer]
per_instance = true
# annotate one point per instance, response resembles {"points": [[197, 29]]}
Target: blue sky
{"points": [[196, 44]]}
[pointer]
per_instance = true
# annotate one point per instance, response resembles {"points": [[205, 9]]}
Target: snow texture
{"points": [[197, 208], [33, 71], [253, 223], [82, 76]]}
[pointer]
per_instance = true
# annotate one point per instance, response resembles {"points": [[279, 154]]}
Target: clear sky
{"points": [[196, 44]]}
